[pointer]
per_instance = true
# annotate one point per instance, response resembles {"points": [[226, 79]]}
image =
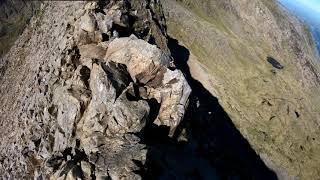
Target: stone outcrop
{"points": [[99, 92], [147, 65]]}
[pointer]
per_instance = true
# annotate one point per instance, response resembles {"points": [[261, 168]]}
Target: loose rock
{"points": [[88, 23]]}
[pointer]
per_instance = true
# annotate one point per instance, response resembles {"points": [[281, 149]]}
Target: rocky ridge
{"points": [[81, 100], [99, 90]]}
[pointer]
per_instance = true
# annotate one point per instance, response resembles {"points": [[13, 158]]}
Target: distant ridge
{"points": [[316, 36], [310, 18]]}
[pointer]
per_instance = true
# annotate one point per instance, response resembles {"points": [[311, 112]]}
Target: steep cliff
{"points": [[260, 62]]}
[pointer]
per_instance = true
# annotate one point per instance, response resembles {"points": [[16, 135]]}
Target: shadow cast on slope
{"points": [[214, 148]]}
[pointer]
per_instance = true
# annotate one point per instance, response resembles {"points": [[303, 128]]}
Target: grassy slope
{"points": [[234, 50]]}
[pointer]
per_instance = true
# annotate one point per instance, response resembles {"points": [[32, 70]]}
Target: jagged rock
{"points": [[114, 108], [118, 158], [60, 141], [87, 62], [103, 96], [129, 113], [148, 65], [88, 23], [117, 12], [83, 111], [83, 37], [68, 114], [117, 108], [139, 57], [104, 22], [173, 94], [150, 22]]}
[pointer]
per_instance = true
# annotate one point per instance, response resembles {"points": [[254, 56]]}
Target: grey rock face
{"points": [[114, 108], [68, 114]]}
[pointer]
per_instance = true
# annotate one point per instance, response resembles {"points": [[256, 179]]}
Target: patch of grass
{"points": [[214, 19]]}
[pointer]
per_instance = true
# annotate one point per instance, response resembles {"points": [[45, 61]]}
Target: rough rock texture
{"points": [[147, 66], [83, 91], [260, 62]]}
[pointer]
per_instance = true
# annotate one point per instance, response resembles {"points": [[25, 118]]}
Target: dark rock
{"points": [[274, 63]]}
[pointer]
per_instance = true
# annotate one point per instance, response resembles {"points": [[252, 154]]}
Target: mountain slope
{"points": [[83, 93], [260, 63], [14, 15], [99, 90]]}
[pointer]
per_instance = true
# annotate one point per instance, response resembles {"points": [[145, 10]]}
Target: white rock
{"points": [[138, 55], [91, 6], [88, 23]]}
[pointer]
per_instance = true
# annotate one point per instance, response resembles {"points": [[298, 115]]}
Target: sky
{"points": [[308, 10], [313, 5]]}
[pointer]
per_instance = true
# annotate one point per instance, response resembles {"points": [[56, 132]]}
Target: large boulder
{"points": [[173, 95], [133, 72], [114, 111], [139, 56], [148, 65], [114, 108]]}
